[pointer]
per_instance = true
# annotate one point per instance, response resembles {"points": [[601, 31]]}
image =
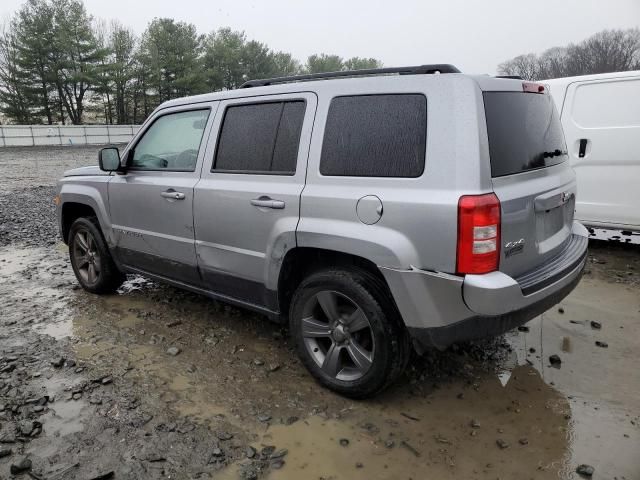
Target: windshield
{"points": [[524, 132]]}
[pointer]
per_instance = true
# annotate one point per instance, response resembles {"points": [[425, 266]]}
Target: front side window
{"points": [[375, 136], [260, 138], [171, 143]]}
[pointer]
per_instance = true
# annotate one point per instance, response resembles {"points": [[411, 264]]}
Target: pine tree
{"points": [[13, 84], [122, 43], [33, 30], [170, 60], [78, 56]]}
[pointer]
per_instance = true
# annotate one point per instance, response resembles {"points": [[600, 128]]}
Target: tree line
{"points": [[60, 65], [604, 52]]}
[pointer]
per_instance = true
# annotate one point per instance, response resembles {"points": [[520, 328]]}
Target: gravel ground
{"points": [[29, 175], [27, 216], [159, 383]]}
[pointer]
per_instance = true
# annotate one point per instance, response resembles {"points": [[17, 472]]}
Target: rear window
{"points": [[524, 132], [375, 136]]}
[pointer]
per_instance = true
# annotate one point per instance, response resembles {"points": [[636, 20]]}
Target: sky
{"points": [[474, 35]]}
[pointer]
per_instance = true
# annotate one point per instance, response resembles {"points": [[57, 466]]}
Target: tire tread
{"points": [[378, 295], [112, 278]]}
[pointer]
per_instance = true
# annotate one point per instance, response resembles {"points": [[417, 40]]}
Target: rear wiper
{"points": [[556, 153]]}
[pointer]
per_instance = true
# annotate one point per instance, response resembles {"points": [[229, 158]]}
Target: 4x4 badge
{"points": [[511, 248]]}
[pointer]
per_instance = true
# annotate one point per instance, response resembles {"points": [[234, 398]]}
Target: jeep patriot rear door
{"points": [[247, 203]]}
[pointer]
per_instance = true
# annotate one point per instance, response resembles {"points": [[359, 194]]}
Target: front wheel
{"points": [[90, 258], [348, 333]]}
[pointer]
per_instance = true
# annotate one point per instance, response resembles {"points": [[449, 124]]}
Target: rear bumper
{"points": [[479, 326], [496, 293], [441, 309]]}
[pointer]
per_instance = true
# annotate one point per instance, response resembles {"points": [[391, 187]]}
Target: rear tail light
{"points": [[530, 87], [478, 234]]}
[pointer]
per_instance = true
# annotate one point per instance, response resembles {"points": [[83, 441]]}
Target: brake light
{"points": [[478, 234], [530, 87]]}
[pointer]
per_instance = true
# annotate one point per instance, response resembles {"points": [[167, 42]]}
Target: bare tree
{"points": [[553, 63], [525, 66], [606, 51]]}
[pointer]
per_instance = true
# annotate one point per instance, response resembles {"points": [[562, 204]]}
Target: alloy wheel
{"points": [[338, 335], [86, 256]]}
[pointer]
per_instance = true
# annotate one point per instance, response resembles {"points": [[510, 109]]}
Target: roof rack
{"points": [[512, 77], [415, 70]]}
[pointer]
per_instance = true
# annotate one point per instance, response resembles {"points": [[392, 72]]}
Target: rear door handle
{"points": [[583, 148], [267, 202], [173, 195]]}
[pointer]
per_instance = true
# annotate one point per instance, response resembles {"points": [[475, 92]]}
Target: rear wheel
{"points": [[90, 258], [347, 332]]}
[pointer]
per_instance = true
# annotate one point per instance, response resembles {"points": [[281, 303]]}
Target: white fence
{"points": [[33, 135]]}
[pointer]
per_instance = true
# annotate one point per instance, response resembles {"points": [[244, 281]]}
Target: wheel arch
{"points": [[299, 262], [71, 211], [82, 201]]}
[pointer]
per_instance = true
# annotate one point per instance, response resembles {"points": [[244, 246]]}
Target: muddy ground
{"points": [[88, 388]]}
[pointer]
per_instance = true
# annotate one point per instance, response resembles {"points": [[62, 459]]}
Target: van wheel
{"points": [[90, 258], [348, 333]]}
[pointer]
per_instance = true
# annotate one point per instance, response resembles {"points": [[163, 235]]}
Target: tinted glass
{"points": [[524, 132], [247, 137], [260, 137], [171, 143], [285, 153], [375, 136]]}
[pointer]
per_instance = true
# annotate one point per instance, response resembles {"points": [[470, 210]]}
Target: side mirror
{"points": [[109, 159]]}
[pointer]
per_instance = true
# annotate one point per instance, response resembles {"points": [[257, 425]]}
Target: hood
{"points": [[85, 172]]}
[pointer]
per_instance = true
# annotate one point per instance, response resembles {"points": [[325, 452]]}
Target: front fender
{"points": [[94, 195]]}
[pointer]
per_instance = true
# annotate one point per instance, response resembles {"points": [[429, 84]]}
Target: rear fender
{"points": [[380, 245]]}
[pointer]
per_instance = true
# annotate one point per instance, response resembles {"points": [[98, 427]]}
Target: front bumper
{"points": [[440, 309]]}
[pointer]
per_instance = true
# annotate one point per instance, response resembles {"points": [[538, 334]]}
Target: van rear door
{"points": [[601, 120], [530, 176]]}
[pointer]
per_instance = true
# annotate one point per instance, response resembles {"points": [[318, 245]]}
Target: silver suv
{"points": [[394, 208]]}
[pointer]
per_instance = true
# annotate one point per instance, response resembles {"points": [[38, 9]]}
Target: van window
{"points": [[607, 104], [375, 136], [260, 138], [524, 132]]}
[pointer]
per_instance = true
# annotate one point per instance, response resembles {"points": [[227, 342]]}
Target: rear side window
{"points": [[260, 138], [375, 136], [524, 132]]}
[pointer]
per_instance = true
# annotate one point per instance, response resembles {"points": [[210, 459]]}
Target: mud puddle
{"points": [[595, 331], [157, 382], [452, 432]]}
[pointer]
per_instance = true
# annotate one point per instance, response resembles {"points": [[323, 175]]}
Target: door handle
{"points": [[267, 202], [583, 148], [173, 195]]}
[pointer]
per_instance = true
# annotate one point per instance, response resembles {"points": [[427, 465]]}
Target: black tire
{"points": [[107, 278], [389, 346]]}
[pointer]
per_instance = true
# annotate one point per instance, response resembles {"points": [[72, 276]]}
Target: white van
{"points": [[600, 115]]}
